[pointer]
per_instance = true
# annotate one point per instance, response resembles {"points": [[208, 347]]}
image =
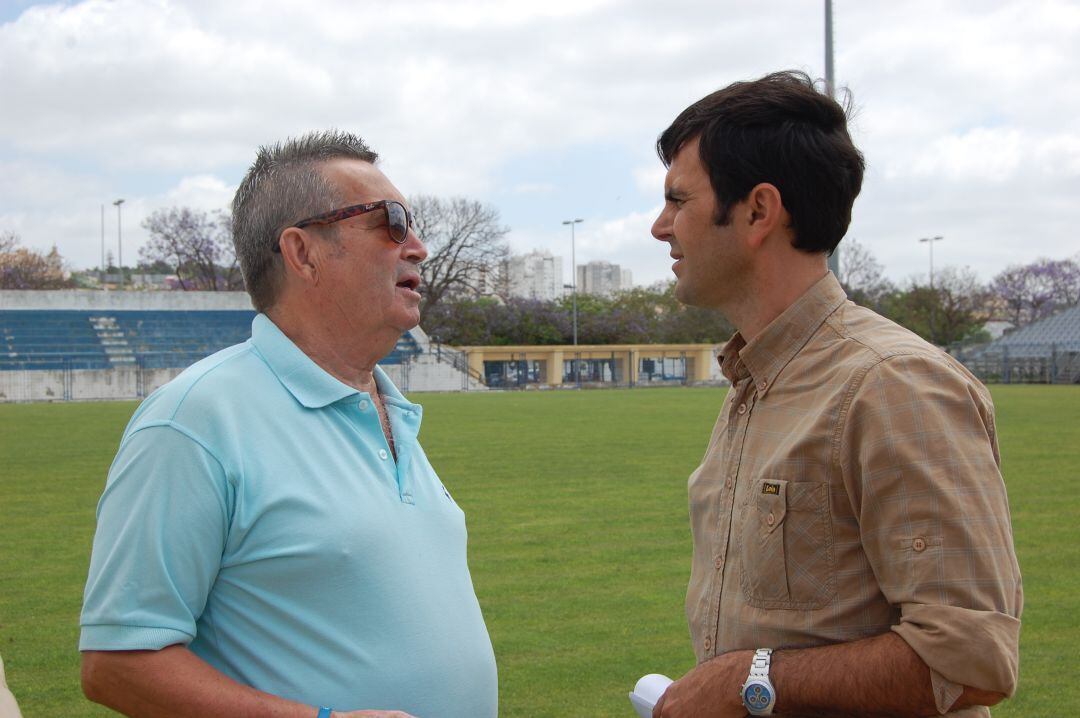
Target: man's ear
{"points": [[766, 211], [297, 249]]}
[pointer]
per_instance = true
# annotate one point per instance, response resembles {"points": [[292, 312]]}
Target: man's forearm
{"points": [[175, 682], [879, 676]]}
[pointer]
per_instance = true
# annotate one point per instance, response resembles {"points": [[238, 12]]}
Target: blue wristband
{"points": [[324, 712]]}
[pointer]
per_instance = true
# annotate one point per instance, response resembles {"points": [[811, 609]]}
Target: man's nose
{"points": [[414, 248], [661, 228]]}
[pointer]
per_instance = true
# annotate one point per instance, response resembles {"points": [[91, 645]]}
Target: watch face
{"points": [[757, 697]]}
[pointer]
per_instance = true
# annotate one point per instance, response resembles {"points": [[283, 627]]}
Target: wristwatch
{"points": [[758, 694]]}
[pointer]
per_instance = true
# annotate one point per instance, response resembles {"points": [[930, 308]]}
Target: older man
{"points": [[853, 552], [272, 540]]}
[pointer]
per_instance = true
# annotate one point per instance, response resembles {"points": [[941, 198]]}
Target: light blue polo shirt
{"points": [[255, 513]]}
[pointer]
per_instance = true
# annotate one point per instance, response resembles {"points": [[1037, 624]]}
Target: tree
{"points": [[466, 245], [861, 275], [196, 245], [951, 312], [638, 316], [22, 268], [1033, 291], [8, 241]]}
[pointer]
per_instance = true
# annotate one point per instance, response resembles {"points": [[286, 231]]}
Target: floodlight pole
{"points": [[573, 286], [933, 306], [119, 242], [102, 247], [830, 90]]}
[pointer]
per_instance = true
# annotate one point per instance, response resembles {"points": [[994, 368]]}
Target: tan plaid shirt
{"points": [[852, 487]]}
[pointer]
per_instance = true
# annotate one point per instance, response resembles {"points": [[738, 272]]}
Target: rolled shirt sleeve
{"points": [[918, 452], [162, 524]]}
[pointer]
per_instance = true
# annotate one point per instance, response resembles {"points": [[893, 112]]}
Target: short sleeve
{"points": [[919, 457], [162, 524]]}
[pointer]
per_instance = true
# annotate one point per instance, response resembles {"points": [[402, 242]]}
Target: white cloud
{"points": [[533, 188], [205, 192], [650, 180], [966, 109]]}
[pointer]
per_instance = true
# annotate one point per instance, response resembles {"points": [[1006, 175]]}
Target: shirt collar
{"points": [[309, 383], [764, 356], [392, 396]]}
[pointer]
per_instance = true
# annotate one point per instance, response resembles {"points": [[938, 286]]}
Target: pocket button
{"points": [[919, 544], [771, 519]]}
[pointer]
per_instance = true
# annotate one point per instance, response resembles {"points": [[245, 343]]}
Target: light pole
{"points": [[103, 268], [830, 89], [119, 242], [933, 306], [573, 270]]}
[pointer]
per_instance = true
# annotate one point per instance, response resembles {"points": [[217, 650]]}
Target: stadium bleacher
{"points": [[104, 339]]}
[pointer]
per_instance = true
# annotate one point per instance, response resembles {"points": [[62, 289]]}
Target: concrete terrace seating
{"points": [[162, 339], [153, 339], [31, 339]]}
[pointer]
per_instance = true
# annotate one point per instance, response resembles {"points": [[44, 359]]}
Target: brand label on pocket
{"points": [[768, 487]]}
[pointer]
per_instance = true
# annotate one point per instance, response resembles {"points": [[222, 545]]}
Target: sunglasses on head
{"points": [[398, 219]]}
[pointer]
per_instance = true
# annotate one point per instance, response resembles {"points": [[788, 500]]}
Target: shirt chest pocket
{"points": [[785, 545]]}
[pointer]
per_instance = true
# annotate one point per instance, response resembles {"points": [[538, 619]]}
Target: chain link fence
{"points": [[1022, 363]]}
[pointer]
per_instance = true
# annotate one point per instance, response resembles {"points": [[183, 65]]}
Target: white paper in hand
{"points": [[647, 692]]}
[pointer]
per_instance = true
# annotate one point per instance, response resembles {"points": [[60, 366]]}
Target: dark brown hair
{"points": [[779, 129]]}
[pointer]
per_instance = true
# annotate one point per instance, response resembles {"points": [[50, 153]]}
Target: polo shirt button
{"points": [[742, 408], [363, 405], [919, 544], [383, 454]]}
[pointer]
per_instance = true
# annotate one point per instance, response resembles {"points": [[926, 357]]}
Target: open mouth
{"points": [[411, 283]]}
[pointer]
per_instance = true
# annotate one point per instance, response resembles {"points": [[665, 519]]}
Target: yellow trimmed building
{"points": [[620, 364]]}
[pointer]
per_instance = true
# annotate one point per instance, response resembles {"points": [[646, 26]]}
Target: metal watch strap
{"points": [[758, 694], [759, 666]]}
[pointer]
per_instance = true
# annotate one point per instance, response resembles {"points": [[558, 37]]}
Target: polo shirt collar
{"points": [[764, 356], [392, 395], [309, 383]]}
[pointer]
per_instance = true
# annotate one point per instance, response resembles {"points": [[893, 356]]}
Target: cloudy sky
{"points": [[968, 111]]}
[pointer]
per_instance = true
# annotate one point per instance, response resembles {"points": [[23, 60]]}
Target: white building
{"points": [[536, 275], [603, 278]]}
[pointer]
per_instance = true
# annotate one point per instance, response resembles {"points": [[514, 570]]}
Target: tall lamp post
{"points": [[933, 306], [119, 243], [573, 289], [103, 267], [830, 89]]}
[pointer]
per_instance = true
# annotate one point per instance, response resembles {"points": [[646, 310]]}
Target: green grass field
{"points": [[579, 542]]}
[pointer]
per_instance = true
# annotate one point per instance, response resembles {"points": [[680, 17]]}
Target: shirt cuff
{"points": [[130, 638], [963, 647]]}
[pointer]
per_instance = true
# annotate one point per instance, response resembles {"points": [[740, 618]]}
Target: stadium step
{"points": [[113, 341]]}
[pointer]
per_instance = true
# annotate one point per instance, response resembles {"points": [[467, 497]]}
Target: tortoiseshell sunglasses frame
{"points": [[337, 215]]}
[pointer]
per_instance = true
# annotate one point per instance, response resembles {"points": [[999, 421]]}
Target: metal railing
{"points": [[1057, 363]]}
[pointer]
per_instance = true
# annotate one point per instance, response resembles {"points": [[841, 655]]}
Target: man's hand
{"points": [[711, 690]]}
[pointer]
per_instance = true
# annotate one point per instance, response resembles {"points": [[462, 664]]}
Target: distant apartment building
{"points": [[479, 281], [536, 275], [603, 278]]}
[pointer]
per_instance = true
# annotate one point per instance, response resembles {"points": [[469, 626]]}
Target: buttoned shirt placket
{"points": [[741, 399]]}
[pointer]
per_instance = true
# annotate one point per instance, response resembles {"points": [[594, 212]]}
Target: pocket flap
{"points": [[770, 499]]}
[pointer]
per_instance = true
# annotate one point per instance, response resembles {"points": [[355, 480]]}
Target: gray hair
{"points": [[283, 186]]}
